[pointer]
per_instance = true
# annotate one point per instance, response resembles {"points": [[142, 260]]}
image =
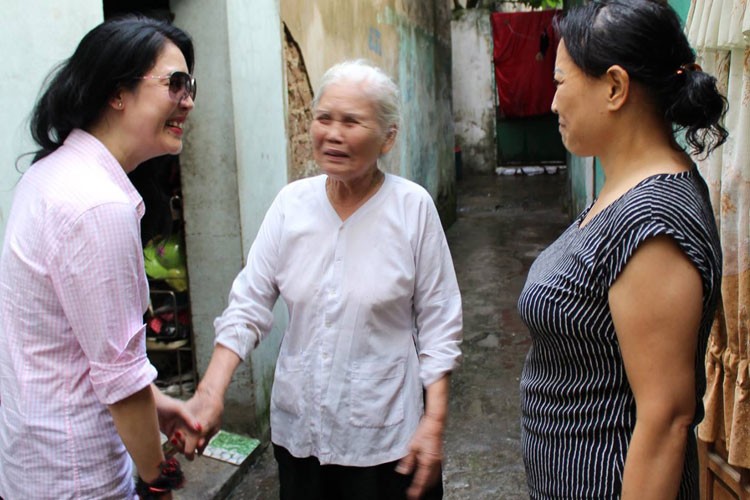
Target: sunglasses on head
{"points": [[181, 84]]}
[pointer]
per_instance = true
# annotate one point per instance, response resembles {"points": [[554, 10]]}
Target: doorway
{"points": [[169, 332]]}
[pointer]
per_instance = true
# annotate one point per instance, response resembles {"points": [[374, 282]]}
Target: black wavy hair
{"points": [[645, 38], [109, 58]]}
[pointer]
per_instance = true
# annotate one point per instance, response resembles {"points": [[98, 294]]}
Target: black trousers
{"points": [[306, 479]]}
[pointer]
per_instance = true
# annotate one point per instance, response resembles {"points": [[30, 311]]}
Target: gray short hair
{"points": [[379, 86]]}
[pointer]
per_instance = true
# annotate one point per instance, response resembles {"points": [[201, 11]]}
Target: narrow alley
{"points": [[503, 223]]}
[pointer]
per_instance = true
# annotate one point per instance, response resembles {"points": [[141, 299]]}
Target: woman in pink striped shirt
{"points": [[76, 392]]}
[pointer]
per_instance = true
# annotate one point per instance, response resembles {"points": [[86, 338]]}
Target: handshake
{"points": [[189, 425]]}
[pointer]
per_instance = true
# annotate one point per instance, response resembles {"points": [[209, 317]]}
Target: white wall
{"points": [[474, 90], [259, 93], [35, 35]]}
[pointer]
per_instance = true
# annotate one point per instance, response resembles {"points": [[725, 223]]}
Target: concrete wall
{"points": [[209, 187], [258, 89], [233, 164], [474, 94], [424, 77], [35, 36], [582, 183], [411, 41]]}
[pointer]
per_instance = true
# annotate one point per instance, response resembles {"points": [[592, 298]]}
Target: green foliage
{"points": [[546, 4]]}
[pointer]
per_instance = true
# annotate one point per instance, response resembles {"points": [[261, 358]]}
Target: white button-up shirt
{"points": [[374, 316], [72, 297]]}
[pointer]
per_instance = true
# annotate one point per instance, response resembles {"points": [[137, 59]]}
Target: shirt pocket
{"points": [[290, 385], [377, 394]]}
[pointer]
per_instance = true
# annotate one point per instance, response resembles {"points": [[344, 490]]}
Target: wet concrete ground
{"points": [[503, 223]]}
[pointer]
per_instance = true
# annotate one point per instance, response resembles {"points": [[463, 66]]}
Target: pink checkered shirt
{"points": [[72, 339]]}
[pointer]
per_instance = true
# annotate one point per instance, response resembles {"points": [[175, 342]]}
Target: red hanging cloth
{"points": [[524, 57]]}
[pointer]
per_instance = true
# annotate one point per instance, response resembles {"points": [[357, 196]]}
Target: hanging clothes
{"points": [[524, 58], [719, 30]]}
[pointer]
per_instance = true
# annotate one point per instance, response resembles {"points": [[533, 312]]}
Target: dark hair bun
{"points": [[645, 37], [698, 107]]}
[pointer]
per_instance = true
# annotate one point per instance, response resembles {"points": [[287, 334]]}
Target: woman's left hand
{"points": [[174, 416], [425, 457]]}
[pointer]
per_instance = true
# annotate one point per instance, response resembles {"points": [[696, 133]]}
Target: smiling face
{"points": [[154, 118], [579, 106], [347, 137]]}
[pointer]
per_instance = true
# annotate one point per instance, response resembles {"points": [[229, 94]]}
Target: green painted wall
{"points": [[578, 187], [529, 140], [682, 7], [424, 79]]}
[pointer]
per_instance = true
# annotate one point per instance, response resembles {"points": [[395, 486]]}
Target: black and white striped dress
{"points": [[578, 408]]}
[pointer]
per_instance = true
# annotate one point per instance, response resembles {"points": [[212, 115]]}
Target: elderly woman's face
{"points": [[347, 138]]}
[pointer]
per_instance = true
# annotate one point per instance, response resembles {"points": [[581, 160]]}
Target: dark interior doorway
{"points": [[158, 9], [169, 332]]}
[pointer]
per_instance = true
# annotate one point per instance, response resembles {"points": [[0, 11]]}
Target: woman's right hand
{"points": [[207, 409], [207, 405], [425, 457], [426, 447], [174, 417]]}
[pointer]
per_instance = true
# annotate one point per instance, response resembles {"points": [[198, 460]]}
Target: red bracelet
{"points": [[170, 478]]}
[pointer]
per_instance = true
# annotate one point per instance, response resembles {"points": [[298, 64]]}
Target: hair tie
{"points": [[689, 67]]}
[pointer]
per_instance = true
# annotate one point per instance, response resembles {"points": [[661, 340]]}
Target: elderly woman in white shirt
{"points": [[360, 396]]}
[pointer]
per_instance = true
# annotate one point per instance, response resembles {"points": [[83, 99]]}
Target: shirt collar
{"points": [[83, 141]]}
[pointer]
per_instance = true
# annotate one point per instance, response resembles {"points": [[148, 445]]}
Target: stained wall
{"points": [[409, 40]]}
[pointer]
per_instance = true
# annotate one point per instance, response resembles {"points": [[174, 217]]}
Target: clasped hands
{"points": [[191, 424]]}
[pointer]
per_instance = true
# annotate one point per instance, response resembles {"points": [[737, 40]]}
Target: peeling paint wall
{"points": [[299, 111], [427, 135], [474, 93], [409, 40], [329, 31]]}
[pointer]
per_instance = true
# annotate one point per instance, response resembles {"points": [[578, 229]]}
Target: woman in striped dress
{"points": [[620, 306]]}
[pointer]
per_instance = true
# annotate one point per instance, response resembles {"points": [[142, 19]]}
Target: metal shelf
{"points": [[178, 345]]}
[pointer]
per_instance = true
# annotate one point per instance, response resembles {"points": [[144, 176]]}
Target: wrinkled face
{"points": [[154, 117], [578, 105], [347, 138]]}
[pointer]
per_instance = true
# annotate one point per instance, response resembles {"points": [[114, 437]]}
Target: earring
{"points": [[119, 105]]}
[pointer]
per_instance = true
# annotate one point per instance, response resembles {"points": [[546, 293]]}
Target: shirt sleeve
{"points": [[621, 248], [248, 317], [100, 280], [437, 300]]}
